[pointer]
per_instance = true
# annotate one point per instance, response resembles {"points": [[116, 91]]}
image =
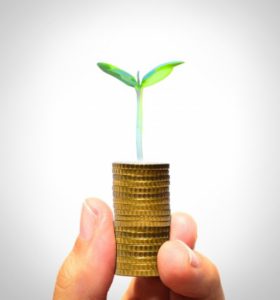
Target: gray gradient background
{"points": [[216, 120]]}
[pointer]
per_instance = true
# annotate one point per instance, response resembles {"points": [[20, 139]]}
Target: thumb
{"points": [[187, 273], [88, 271]]}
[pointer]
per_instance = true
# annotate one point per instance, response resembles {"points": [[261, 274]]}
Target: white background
{"points": [[215, 120]]}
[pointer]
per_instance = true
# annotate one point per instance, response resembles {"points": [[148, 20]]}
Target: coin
{"points": [[141, 229], [142, 223], [140, 169], [140, 190], [142, 201], [137, 266], [143, 218], [141, 206], [141, 183], [140, 234], [146, 273], [142, 212], [140, 177], [142, 240], [123, 234], [123, 208], [128, 253], [141, 166], [129, 197], [136, 260], [132, 194], [138, 248], [148, 173]]}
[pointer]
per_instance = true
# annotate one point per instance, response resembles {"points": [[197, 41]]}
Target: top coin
{"points": [[141, 166]]}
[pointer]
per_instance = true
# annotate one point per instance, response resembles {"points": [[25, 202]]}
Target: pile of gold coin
{"points": [[142, 216]]}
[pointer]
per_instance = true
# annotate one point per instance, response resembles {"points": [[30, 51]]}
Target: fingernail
{"points": [[193, 258], [89, 219]]}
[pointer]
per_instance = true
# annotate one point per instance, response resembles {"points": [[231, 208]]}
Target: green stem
{"points": [[139, 124]]}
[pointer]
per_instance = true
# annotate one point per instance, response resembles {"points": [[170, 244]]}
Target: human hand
{"points": [[88, 271]]}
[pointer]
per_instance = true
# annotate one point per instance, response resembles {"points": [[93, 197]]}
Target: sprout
{"points": [[154, 76]]}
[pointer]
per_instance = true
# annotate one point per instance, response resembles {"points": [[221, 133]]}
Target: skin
{"points": [[88, 270]]}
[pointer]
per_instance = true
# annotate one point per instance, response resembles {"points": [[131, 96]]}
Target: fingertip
{"points": [[187, 272], [102, 245], [100, 207], [95, 215], [184, 228], [175, 262]]}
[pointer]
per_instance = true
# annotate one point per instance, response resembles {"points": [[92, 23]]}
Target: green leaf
{"points": [[159, 73], [118, 73]]}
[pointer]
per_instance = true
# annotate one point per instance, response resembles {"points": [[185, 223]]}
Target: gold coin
{"points": [[125, 195], [142, 204], [155, 218], [140, 177], [122, 197], [137, 259], [146, 273], [142, 223], [141, 199], [142, 212], [141, 183], [143, 194], [141, 234], [142, 240], [138, 243], [140, 180], [134, 216], [135, 234], [120, 230], [125, 221], [138, 248], [137, 266], [139, 209], [140, 166], [147, 173], [138, 262], [142, 228], [151, 235], [136, 220], [128, 253], [142, 190]]}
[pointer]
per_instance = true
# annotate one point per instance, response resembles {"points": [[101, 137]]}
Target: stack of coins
{"points": [[142, 216]]}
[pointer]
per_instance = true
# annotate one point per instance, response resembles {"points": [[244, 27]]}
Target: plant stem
{"points": [[139, 124]]}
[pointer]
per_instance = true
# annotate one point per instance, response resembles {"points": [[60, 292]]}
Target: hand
{"points": [[88, 271]]}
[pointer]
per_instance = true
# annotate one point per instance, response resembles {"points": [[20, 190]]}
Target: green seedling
{"points": [[154, 76]]}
